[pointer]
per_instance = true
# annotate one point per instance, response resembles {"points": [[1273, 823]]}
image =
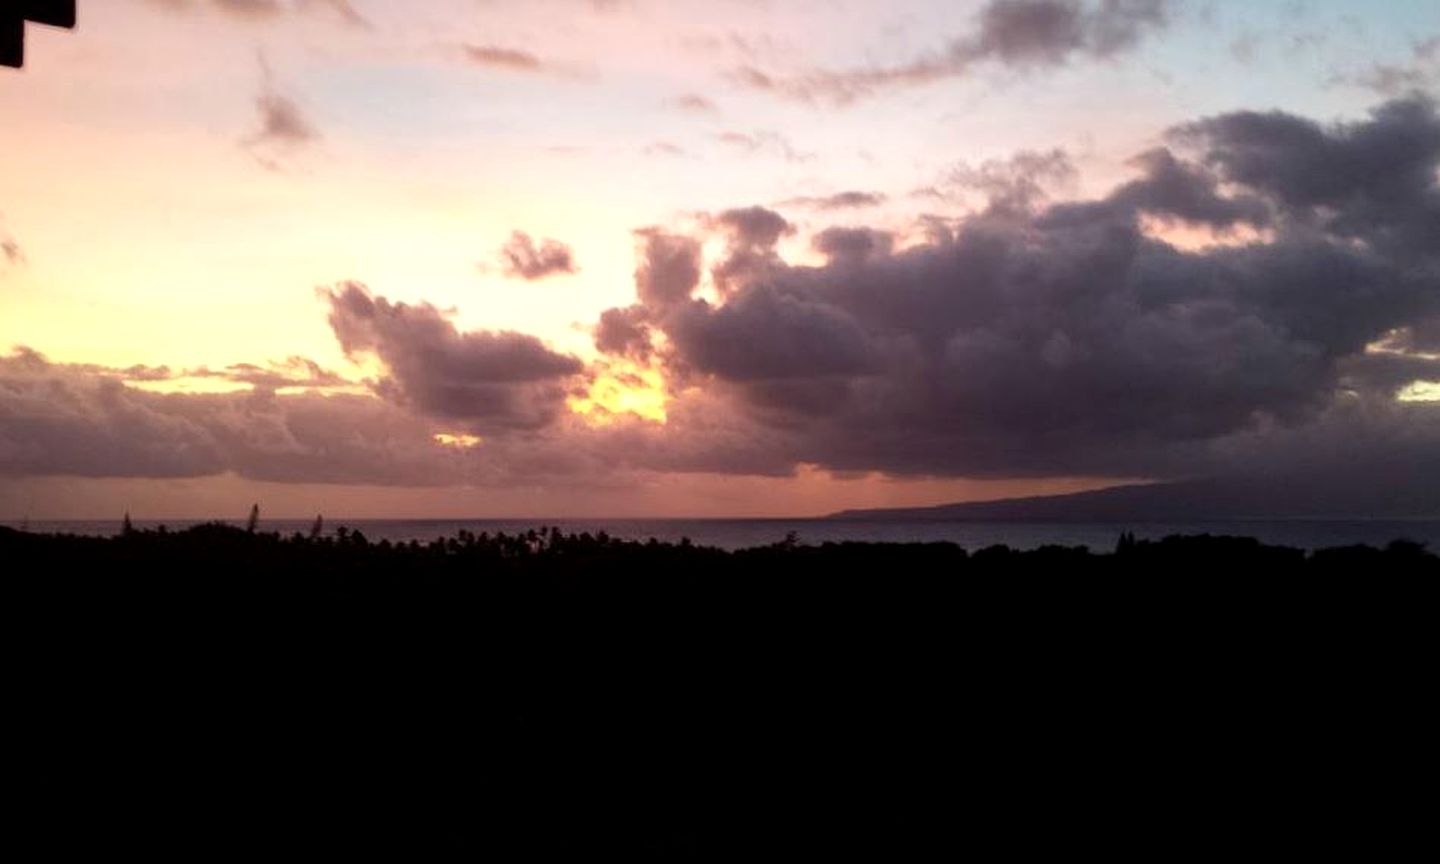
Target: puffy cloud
{"points": [[1175, 189], [752, 234], [521, 258], [491, 381], [1373, 180], [669, 269], [623, 332], [1007, 33], [1064, 339], [764, 334]]}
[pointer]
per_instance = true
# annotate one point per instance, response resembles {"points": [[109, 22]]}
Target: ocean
{"points": [[744, 533]]}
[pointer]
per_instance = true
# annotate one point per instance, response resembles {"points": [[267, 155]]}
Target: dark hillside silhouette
{"points": [[543, 695], [14, 14], [1401, 490]]}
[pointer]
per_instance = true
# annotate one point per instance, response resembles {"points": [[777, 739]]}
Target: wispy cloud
{"points": [[282, 127], [664, 148], [343, 9], [692, 103], [853, 199], [496, 57], [1010, 33], [11, 250], [1420, 72], [764, 142], [266, 10]]}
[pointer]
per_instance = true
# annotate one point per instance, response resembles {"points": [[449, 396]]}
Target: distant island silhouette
{"points": [[1359, 496]]}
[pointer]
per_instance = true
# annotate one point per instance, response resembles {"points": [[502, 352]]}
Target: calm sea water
{"points": [[743, 533]]}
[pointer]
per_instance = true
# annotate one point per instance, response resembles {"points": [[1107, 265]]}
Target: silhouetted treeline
{"points": [[547, 694]]}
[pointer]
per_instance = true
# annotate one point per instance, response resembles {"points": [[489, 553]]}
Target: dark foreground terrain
{"points": [[538, 697]]}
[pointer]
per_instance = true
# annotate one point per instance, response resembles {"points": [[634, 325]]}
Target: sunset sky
{"points": [[731, 257]]}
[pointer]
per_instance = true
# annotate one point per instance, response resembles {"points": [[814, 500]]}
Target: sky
{"points": [[726, 258]]}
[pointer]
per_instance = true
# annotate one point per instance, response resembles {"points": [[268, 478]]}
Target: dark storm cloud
{"points": [[763, 334], [497, 57], [853, 199], [1371, 181], [853, 244], [1018, 34], [522, 259], [1063, 339], [492, 381], [1172, 188]]}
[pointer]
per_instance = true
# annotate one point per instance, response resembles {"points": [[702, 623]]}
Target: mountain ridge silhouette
{"points": [[1351, 495]]}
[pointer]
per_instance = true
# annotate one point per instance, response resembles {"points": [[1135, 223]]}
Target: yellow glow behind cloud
{"points": [[458, 440], [1421, 391], [623, 388]]}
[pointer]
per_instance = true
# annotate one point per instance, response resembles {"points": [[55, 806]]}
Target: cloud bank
{"points": [[1029, 338]]}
